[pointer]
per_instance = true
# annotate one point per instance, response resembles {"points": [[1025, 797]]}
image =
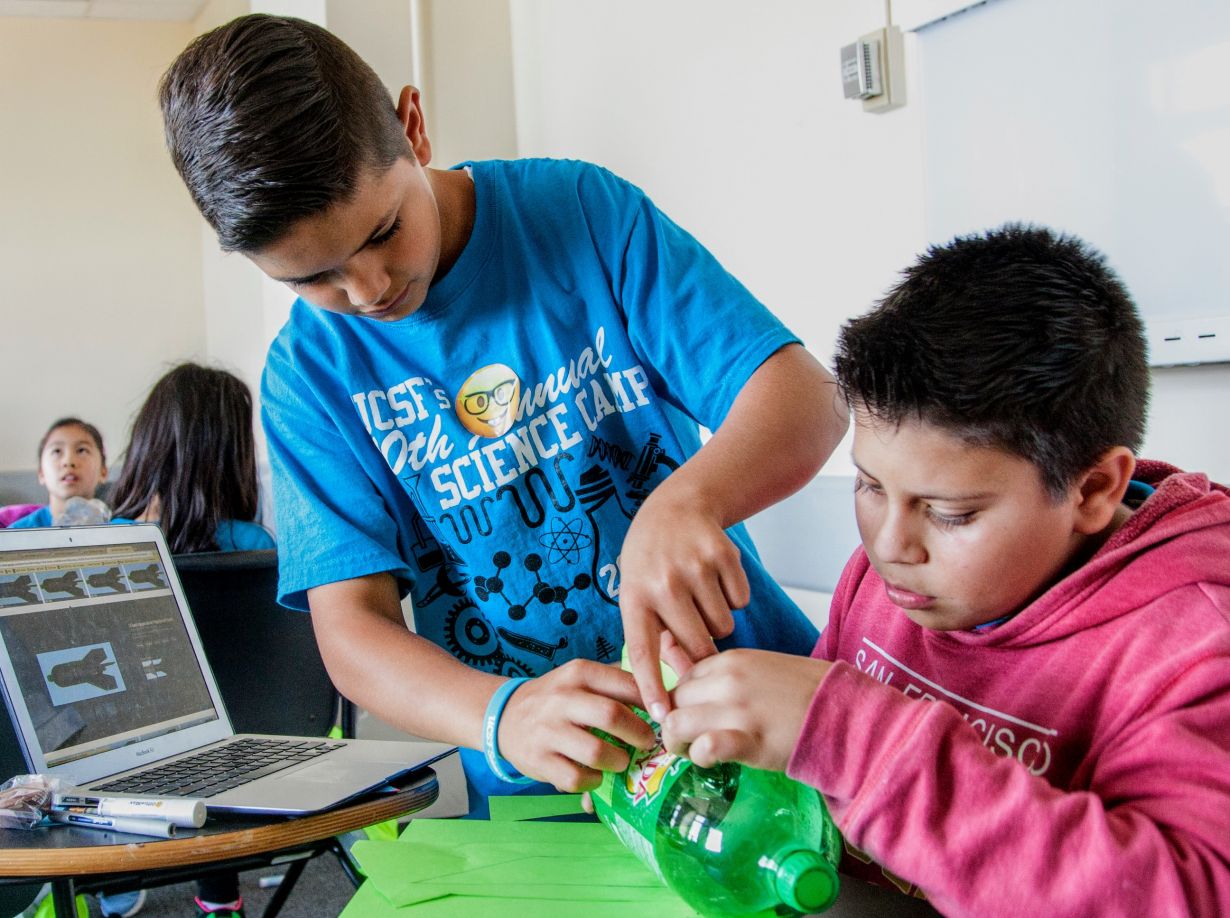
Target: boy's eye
{"points": [[949, 520], [387, 234]]}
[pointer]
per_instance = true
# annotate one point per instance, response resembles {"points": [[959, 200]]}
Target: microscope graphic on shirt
{"points": [[652, 456]]}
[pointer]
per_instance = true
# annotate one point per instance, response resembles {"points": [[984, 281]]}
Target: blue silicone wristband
{"points": [[500, 767]]}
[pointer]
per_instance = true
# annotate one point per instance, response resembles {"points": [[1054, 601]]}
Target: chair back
{"points": [[14, 898], [264, 656]]}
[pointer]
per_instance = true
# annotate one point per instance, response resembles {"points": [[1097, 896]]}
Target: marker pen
{"points": [[185, 812], [155, 827]]}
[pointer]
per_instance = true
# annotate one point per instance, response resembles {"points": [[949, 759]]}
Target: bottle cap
{"points": [[806, 881]]}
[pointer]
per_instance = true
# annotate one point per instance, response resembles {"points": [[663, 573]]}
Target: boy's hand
{"points": [[743, 706], [547, 727], [680, 577]]}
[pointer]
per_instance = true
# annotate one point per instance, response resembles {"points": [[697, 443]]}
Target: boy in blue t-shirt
{"points": [[478, 399]]}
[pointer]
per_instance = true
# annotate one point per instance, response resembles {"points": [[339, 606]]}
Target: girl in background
{"points": [[71, 463], [190, 465]]}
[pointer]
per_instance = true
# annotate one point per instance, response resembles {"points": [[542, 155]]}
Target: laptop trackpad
{"points": [[330, 772]]}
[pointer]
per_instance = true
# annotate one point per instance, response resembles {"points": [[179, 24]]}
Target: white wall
{"points": [[467, 80], [98, 242], [731, 116]]}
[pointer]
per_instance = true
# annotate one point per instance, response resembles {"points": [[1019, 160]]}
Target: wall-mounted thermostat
{"points": [[873, 69], [860, 69]]}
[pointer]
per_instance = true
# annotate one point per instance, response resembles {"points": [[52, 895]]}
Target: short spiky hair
{"points": [[271, 119], [1018, 339]]}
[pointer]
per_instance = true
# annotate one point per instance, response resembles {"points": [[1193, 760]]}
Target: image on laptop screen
{"points": [[98, 647]]}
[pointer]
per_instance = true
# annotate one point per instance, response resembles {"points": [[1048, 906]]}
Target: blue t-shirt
{"points": [[238, 535], [490, 449], [39, 519], [231, 535]]}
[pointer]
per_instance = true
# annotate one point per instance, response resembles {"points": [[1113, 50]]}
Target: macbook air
{"points": [[109, 689]]}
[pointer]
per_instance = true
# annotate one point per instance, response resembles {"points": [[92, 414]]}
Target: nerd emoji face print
{"points": [[487, 401]]}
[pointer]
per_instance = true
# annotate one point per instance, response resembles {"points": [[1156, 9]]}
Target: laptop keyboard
{"points": [[221, 768]]}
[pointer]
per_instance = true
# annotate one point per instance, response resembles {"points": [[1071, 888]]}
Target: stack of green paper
{"points": [[509, 868]]}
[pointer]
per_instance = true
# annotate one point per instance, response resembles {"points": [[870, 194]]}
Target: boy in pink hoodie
{"points": [[1022, 697]]}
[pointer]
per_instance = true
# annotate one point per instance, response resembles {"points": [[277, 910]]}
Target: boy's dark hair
{"points": [[271, 119], [192, 448], [73, 422], [1018, 339]]}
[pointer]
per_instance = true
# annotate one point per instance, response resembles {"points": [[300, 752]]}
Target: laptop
{"points": [[107, 684]]}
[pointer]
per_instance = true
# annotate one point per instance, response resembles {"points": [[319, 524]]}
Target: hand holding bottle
{"points": [[743, 706], [546, 728], [730, 840]]}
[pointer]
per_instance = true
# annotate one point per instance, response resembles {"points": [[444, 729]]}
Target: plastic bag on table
{"points": [[25, 799]]}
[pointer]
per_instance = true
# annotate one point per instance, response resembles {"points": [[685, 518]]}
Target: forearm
{"points": [[785, 423], [403, 679]]}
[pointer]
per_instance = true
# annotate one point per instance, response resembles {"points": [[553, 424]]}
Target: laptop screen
{"points": [[97, 646]]}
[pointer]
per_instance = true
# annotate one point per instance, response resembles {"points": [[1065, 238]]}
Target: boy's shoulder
{"points": [[538, 182]]}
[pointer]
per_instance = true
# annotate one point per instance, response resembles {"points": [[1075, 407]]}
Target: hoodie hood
{"points": [[1179, 536]]}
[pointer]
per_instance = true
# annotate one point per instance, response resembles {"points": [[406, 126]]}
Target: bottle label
{"points": [[629, 801]]}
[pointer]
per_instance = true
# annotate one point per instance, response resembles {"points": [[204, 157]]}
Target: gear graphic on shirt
{"points": [[515, 668], [470, 637]]}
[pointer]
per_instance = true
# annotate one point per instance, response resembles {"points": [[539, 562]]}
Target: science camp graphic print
{"points": [[525, 490], [490, 450]]}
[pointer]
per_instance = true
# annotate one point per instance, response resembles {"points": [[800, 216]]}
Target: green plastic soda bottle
{"points": [[730, 840]]}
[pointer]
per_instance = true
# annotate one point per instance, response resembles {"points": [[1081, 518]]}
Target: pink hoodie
{"points": [[1080, 761]]}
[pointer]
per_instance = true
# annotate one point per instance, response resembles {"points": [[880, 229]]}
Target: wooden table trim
{"points": [[212, 846]]}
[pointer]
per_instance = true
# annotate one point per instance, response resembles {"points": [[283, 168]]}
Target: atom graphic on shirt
{"points": [[565, 541]]}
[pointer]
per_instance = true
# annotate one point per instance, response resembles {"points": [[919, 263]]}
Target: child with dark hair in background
{"points": [[190, 465], [1022, 697], [71, 463]]}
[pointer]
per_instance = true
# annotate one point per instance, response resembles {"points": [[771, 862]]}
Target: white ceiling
{"points": [[165, 10]]}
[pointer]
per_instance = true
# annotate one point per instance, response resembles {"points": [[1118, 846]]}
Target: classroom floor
{"points": [[322, 892]]}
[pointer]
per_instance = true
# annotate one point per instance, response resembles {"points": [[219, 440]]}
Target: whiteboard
{"points": [[1109, 119]]}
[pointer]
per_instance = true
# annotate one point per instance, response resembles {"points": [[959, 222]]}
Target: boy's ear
{"points": [[410, 113], [1101, 489]]}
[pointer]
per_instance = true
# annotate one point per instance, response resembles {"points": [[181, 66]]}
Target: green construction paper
{"points": [[487, 867], [368, 903], [526, 875], [465, 830], [418, 863], [506, 809]]}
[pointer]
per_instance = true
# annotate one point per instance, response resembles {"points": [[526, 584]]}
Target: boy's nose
{"points": [[367, 285], [897, 543]]}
